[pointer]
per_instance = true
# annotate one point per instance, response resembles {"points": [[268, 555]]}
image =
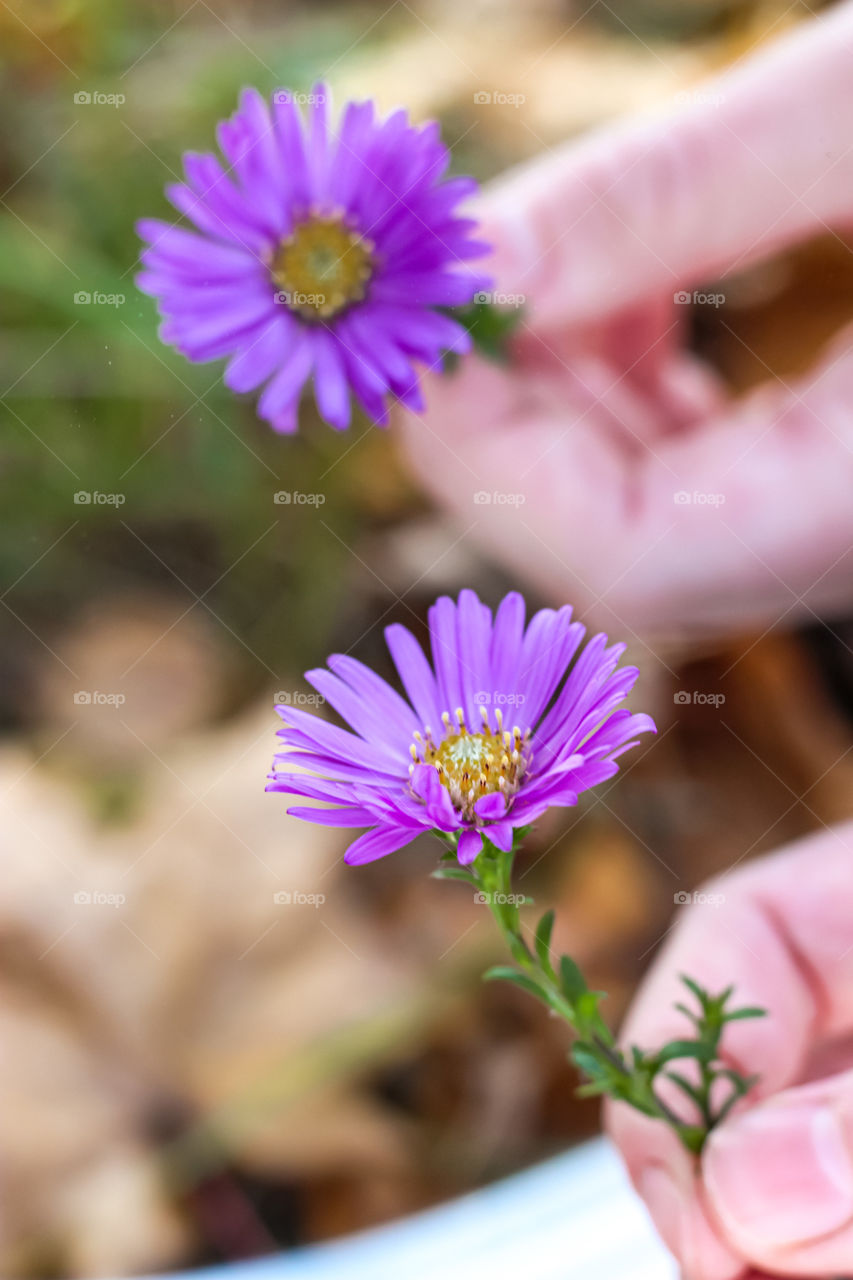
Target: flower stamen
{"points": [[473, 765], [322, 267]]}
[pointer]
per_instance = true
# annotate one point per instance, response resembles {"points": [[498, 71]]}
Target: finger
{"points": [[740, 521], [752, 511], [780, 929], [680, 197], [639, 355], [780, 1180]]}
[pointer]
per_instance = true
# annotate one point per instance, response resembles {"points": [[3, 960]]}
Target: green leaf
{"points": [[685, 1086], [502, 973], [586, 1059], [543, 940], [571, 978], [751, 1011], [693, 1136], [586, 1006], [453, 873], [592, 1089], [699, 992], [698, 1049], [741, 1086], [490, 327]]}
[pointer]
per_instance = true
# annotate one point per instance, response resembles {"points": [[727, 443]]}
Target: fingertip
{"points": [[779, 1179], [506, 224]]}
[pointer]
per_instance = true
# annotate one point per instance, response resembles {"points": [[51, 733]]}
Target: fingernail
{"points": [[666, 1204], [780, 1175]]}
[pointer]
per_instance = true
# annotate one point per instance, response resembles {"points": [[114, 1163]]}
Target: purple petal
{"points": [[331, 389], [416, 675], [470, 844], [427, 784], [501, 835], [350, 817], [377, 844], [281, 395], [492, 807], [445, 654], [257, 361]]}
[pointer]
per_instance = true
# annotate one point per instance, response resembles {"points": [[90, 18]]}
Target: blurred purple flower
{"points": [[500, 728], [322, 251]]}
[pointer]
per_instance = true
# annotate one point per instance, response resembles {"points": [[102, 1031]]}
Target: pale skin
{"points": [[601, 420]]}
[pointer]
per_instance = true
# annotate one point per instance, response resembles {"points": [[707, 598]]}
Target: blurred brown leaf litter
{"points": [[193, 1070]]}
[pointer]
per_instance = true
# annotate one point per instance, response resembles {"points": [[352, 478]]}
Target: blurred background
{"points": [[218, 1041]]}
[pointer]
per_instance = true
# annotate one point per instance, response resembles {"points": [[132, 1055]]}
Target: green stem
{"points": [[562, 989]]}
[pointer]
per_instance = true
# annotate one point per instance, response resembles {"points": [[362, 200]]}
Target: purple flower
{"points": [[320, 252], [505, 723]]}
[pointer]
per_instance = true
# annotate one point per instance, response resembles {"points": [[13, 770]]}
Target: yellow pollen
{"points": [[473, 765], [322, 267]]}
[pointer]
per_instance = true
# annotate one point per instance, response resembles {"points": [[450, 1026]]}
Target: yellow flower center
{"points": [[471, 765], [322, 267]]}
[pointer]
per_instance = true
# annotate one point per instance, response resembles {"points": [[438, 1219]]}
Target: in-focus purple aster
{"points": [[322, 252], [505, 723]]}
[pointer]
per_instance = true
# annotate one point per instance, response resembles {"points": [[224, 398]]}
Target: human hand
{"points": [[605, 421], [774, 1187]]}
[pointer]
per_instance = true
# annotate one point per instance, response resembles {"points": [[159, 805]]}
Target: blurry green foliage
{"points": [[90, 400]]}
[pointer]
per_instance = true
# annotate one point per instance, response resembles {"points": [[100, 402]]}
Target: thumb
{"points": [[638, 209], [779, 1180]]}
